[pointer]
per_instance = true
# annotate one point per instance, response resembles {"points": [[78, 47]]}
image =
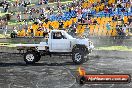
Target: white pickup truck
{"points": [[59, 42]]}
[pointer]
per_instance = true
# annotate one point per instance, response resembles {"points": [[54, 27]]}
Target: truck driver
{"points": [[58, 35]]}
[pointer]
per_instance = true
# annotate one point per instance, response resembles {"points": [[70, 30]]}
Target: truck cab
{"points": [[60, 41]]}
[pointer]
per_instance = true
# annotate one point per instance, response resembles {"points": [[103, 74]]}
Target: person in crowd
{"points": [[5, 6], [26, 25], [95, 22], [124, 28], [106, 9], [119, 5], [19, 17], [108, 26], [120, 18], [123, 9], [41, 2], [5, 27], [129, 20], [130, 23], [79, 16], [32, 31], [89, 21], [46, 1], [61, 24], [120, 31], [14, 33], [114, 18]]}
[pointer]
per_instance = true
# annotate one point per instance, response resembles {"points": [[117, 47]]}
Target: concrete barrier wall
{"points": [[98, 41]]}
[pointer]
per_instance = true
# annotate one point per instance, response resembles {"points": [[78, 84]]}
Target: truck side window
{"points": [[58, 35]]}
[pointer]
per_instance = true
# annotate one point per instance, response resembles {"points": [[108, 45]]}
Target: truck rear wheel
{"points": [[78, 56], [30, 57]]}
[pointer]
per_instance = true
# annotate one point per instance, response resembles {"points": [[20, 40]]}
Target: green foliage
{"points": [[118, 48]]}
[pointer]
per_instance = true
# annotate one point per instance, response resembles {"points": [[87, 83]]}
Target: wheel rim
{"points": [[30, 57], [78, 57]]}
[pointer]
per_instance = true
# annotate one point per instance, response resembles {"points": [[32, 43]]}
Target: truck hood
{"points": [[85, 42], [82, 41]]}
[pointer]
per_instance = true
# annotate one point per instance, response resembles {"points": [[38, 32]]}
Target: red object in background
{"points": [[79, 11], [102, 78], [106, 10]]}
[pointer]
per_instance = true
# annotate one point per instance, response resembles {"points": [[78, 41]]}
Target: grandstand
{"points": [[77, 13]]}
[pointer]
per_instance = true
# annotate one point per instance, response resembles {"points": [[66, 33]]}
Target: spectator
{"points": [[5, 27], [79, 11], [26, 25], [123, 9], [32, 31], [5, 6], [120, 18], [119, 5], [106, 9], [46, 20], [58, 4], [25, 6], [130, 27], [14, 33], [129, 20], [89, 10], [108, 26], [40, 2], [38, 20], [119, 29], [19, 17], [46, 1], [103, 1], [29, 1], [79, 16], [124, 28], [61, 24], [73, 28], [89, 21], [95, 22], [114, 18], [0, 23], [84, 10]]}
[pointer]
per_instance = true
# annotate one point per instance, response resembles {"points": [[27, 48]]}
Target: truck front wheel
{"points": [[30, 57], [78, 56]]}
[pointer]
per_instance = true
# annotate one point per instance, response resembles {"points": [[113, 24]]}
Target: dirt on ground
{"points": [[61, 72]]}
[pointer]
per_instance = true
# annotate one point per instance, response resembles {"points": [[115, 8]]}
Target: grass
{"points": [[4, 36], [13, 22], [12, 0], [7, 45], [31, 5], [2, 14], [117, 48]]}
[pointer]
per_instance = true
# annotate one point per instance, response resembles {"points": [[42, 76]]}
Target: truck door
{"points": [[59, 43]]}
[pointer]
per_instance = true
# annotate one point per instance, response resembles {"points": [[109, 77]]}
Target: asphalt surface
{"points": [[60, 72]]}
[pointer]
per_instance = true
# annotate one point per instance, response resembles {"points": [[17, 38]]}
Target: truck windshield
{"points": [[68, 35]]}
